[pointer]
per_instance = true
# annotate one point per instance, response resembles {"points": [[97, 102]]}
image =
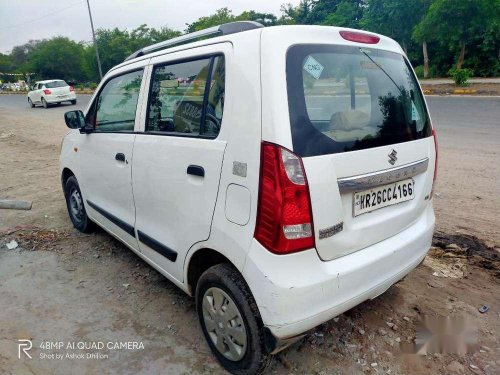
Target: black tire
{"points": [[73, 102], [31, 103], [256, 357], [44, 103], [76, 207]]}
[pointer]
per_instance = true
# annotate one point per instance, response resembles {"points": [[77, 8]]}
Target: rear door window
{"points": [[54, 84], [187, 98], [345, 98]]}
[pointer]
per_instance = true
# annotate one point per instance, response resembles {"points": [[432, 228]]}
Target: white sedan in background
{"points": [[52, 91]]}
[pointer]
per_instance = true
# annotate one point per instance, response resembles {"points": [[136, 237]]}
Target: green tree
{"points": [[267, 19], [116, 45], [457, 23], [19, 54], [348, 13], [223, 15], [299, 14], [5, 63], [345, 13], [58, 57], [394, 18]]}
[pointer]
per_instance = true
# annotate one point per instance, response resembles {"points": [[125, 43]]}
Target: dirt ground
{"points": [[60, 285]]}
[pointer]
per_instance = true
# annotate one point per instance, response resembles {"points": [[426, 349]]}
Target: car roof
{"points": [[50, 80], [277, 34]]}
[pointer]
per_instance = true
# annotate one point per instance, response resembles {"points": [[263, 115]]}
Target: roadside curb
{"points": [[459, 92]]}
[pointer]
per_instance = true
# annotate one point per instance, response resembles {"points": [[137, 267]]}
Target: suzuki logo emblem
{"points": [[392, 157]]}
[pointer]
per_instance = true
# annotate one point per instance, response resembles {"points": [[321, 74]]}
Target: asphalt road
{"points": [[20, 102]]}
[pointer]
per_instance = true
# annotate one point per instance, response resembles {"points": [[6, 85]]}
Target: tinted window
{"points": [[115, 108], [187, 98], [54, 84], [349, 98]]}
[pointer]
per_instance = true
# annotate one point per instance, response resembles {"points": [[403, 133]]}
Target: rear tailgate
{"points": [[59, 89], [360, 123], [335, 179]]}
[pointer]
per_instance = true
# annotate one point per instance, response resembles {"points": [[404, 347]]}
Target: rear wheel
{"points": [[44, 103], [73, 102], [231, 321], [31, 103], [76, 208]]}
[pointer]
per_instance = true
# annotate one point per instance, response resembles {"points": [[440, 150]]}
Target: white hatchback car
{"points": [[280, 175], [52, 91]]}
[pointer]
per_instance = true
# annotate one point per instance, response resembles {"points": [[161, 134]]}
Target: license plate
{"points": [[383, 196]]}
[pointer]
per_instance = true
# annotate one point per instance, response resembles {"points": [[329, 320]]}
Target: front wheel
{"points": [[31, 103], [76, 208], [73, 102], [231, 321]]}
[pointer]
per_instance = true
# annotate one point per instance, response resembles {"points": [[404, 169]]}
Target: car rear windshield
{"points": [[344, 98], [54, 84]]}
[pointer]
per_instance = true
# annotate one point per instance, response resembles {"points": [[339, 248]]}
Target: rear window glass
{"points": [[344, 98], [54, 84]]}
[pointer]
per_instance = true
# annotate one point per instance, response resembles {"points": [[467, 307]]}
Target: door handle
{"points": [[196, 170], [120, 157]]}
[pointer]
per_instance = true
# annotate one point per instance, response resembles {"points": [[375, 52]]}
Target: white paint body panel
{"points": [[173, 207], [187, 213]]}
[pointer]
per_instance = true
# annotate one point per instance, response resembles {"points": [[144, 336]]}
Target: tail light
{"points": [[435, 162], [47, 92], [354, 36], [71, 88], [284, 219]]}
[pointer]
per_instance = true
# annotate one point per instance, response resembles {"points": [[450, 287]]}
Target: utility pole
{"points": [[95, 43]]}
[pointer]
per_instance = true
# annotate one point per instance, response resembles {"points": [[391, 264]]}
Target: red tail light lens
{"points": [[435, 162], [71, 88], [47, 92], [354, 36], [284, 219]]}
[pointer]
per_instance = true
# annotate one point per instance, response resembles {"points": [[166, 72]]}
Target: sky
{"points": [[22, 20]]}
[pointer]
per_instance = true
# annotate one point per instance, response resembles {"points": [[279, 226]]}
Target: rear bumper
{"points": [[298, 292], [55, 99]]}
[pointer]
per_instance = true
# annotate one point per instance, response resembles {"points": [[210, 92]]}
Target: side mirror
{"points": [[74, 119]]}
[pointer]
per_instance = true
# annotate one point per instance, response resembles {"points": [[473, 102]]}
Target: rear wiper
{"points": [[392, 80], [382, 69]]}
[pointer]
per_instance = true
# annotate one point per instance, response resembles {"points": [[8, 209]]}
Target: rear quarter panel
{"points": [[241, 128]]}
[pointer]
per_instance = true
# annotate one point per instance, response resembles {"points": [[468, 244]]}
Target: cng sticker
{"points": [[313, 67]]}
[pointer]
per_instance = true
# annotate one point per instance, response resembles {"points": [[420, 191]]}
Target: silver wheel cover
{"points": [[224, 324]]}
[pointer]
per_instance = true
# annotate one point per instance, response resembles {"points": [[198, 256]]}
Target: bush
{"points": [[461, 76], [419, 71], [93, 86]]}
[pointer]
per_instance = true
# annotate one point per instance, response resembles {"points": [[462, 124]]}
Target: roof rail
{"points": [[225, 29]]}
